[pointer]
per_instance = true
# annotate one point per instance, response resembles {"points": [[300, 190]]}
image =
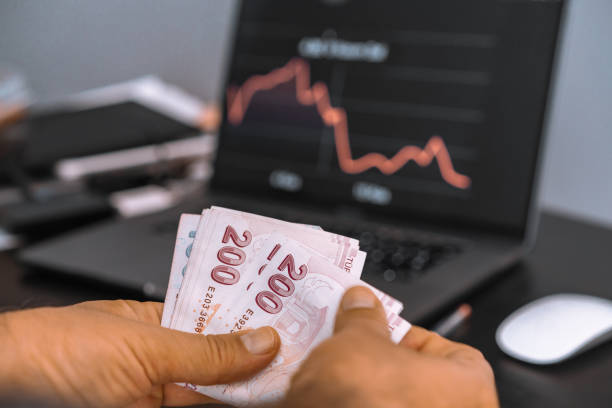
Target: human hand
{"points": [[114, 353], [360, 367]]}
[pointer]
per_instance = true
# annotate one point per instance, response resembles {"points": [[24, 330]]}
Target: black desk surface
{"points": [[570, 256]]}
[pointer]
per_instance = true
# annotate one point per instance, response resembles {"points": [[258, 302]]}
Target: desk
{"points": [[569, 256]]}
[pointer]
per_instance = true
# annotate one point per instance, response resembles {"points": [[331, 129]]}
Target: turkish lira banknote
{"points": [[233, 271]]}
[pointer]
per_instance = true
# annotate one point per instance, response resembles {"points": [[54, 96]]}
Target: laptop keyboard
{"points": [[395, 254]]}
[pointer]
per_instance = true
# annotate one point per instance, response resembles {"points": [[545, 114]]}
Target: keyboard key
{"points": [[389, 275], [377, 256], [397, 259]]}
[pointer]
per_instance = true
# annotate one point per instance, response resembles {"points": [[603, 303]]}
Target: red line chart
{"points": [[317, 94]]}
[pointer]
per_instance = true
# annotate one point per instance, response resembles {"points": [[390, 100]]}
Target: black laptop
{"points": [[414, 126]]}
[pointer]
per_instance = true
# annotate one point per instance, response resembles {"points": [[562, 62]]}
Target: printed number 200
{"points": [[231, 256]]}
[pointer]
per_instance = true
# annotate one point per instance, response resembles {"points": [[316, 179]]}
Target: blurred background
{"points": [[69, 46]]}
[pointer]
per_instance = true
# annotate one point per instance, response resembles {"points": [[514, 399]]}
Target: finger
{"points": [[361, 309], [173, 395], [177, 396], [152, 400], [170, 356], [428, 342], [147, 312]]}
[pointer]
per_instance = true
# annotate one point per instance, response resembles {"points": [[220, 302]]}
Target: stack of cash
{"points": [[234, 271]]}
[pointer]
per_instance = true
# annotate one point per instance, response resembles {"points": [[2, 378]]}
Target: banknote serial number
{"points": [[242, 321], [205, 313], [231, 256]]}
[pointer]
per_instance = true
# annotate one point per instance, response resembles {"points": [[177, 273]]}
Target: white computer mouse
{"points": [[555, 328]]}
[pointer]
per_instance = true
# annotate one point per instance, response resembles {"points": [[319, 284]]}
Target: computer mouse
{"points": [[554, 328]]}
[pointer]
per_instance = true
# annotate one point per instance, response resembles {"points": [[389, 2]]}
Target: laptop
{"points": [[413, 126]]}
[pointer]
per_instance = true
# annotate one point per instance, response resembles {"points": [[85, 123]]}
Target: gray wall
{"points": [[70, 45], [578, 163]]}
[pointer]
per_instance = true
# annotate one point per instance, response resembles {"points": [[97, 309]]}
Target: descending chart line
{"points": [[239, 99]]}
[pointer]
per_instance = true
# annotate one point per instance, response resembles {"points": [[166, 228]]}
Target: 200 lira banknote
{"points": [[343, 251], [240, 271]]}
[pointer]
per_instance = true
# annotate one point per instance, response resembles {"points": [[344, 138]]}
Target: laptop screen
{"points": [[427, 109]]}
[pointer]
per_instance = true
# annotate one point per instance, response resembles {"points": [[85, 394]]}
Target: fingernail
{"points": [[259, 341], [358, 298]]}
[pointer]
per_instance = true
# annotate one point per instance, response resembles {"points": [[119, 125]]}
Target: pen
{"points": [[447, 325]]}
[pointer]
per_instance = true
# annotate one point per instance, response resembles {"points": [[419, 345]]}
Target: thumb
{"points": [[210, 359], [361, 310]]}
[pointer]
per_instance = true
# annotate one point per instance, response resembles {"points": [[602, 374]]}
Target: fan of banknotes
{"points": [[233, 271]]}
